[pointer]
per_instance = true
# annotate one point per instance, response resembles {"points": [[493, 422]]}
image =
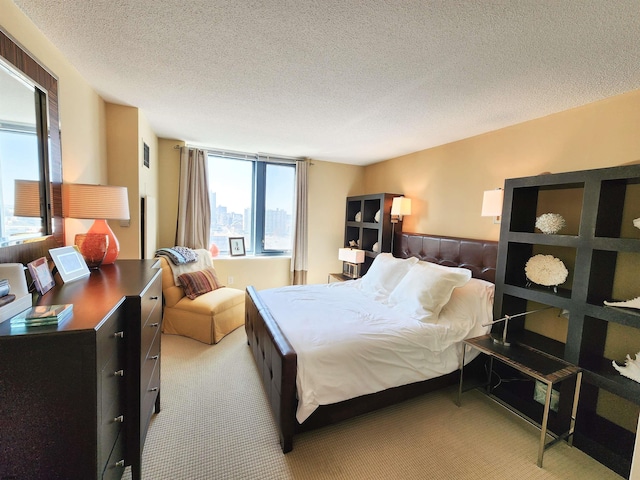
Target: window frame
{"points": [[258, 196]]}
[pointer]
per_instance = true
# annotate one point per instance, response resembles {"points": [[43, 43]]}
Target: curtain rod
{"points": [[247, 156]]}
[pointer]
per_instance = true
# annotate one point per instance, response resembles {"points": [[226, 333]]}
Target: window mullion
{"points": [[260, 195]]}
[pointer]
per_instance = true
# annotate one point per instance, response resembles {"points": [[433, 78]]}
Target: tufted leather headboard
{"points": [[479, 256]]}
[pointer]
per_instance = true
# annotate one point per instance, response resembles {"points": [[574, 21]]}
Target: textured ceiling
{"points": [[346, 81]]}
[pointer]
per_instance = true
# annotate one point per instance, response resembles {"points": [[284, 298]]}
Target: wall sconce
{"points": [[400, 207], [352, 259], [492, 204], [100, 203]]}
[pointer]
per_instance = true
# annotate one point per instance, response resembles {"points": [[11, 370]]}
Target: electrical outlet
{"points": [[230, 280]]}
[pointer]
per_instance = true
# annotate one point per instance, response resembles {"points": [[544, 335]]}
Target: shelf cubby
{"points": [[365, 229]]}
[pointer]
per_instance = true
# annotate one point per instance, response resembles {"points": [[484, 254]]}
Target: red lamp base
{"points": [[113, 249]]}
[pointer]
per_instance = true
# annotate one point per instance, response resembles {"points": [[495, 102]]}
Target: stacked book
{"points": [[43, 315], [5, 296]]}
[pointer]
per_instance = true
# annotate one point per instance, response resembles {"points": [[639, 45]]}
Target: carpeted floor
{"points": [[215, 424]]}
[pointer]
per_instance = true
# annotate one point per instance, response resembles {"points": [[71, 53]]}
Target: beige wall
{"points": [[446, 183], [169, 164], [82, 111]]}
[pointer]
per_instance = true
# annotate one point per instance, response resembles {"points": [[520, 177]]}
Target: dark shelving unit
{"points": [[597, 245], [364, 228]]}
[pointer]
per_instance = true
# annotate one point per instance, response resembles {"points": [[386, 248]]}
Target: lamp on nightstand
{"points": [[352, 259]]}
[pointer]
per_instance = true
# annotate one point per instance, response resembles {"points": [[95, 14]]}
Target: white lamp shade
{"points": [[492, 203], [351, 255], [105, 202], [401, 206]]}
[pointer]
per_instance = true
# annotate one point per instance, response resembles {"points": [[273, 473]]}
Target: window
{"points": [[253, 197]]}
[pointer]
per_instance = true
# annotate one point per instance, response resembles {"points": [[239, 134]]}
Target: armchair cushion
{"points": [[197, 283]]}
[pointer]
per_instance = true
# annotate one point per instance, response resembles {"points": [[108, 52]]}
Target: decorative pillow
{"points": [[197, 283], [426, 288], [384, 274]]}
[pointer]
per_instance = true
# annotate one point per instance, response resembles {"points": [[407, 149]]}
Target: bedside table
{"points": [[537, 365], [338, 277]]}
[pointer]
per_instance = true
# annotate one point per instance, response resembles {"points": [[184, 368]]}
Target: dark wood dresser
{"points": [[76, 399]]}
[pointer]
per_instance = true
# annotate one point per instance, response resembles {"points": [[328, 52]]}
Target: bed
{"points": [[277, 360]]}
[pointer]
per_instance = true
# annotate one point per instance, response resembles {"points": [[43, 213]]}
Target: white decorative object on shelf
{"points": [[358, 217], [376, 217], [376, 247], [633, 303], [546, 270], [631, 368], [550, 223], [636, 223]]}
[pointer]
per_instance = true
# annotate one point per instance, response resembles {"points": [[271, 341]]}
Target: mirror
{"points": [[30, 153]]}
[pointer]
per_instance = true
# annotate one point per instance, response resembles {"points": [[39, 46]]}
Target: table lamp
{"points": [[101, 203], [352, 259]]}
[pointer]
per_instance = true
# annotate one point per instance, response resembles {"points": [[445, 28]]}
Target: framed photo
{"points": [[71, 266], [41, 275], [236, 246], [146, 154]]}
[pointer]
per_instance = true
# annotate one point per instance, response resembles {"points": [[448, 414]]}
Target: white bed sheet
{"points": [[379, 348]]}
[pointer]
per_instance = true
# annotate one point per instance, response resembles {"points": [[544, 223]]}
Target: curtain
{"points": [[194, 210], [299, 251]]}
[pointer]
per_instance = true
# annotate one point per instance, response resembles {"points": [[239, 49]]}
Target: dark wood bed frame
{"points": [[276, 360]]}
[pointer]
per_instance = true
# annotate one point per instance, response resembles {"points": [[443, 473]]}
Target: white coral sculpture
{"points": [[636, 223], [546, 270], [631, 368], [550, 223], [633, 303]]}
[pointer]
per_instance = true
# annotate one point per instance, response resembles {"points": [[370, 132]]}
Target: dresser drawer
{"points": [[110, 339], [112, 422], [149, 362], [151, 302], [149, 332], [148, 400], [115, 464]]}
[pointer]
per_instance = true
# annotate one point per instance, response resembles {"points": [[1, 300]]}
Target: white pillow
{"points": [[426, 288], [384, 274], [469, 307]]}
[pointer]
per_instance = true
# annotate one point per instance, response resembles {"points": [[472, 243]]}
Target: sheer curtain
{"points": [[299, 250], [194, 210]]}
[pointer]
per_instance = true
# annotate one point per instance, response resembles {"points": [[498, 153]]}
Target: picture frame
{"points": [[70, 264], [41, 275], [145, 149], [236, 247]]}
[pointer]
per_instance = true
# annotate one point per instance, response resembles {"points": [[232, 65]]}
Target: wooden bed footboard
{"points": [[277, 363]]}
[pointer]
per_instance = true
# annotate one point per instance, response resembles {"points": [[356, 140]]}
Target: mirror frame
{"points": [[22, 61]]}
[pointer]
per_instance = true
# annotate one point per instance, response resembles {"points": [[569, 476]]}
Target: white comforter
{"points": [[350, 345]]}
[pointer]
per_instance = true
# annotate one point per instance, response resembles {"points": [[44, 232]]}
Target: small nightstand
{"points": [[337, 277]]}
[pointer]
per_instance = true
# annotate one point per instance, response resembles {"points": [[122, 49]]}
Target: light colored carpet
{"points": [[215, 424]]}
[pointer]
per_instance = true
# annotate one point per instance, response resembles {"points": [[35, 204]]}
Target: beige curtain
{"points": [[299, 250], [194, 210]]}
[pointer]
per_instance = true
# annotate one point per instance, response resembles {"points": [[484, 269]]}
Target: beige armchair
{"points": [[207, 318]]}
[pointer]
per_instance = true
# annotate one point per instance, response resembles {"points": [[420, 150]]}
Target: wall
{"points": [[82, 111], [446, 183]]}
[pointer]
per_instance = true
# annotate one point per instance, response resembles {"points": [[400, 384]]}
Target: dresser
{"points": [[76, 399]]}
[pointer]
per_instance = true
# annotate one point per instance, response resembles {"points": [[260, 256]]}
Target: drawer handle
{"points": [[118, 334], [119, 373], [154, 325], [155, 357], [155, 297], [120, 463], [154, 389], [119, 418]]}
